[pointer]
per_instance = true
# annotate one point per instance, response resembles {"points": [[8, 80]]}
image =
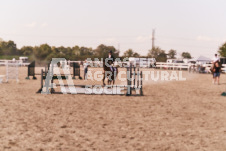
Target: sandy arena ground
{"points": [[177, 115]]}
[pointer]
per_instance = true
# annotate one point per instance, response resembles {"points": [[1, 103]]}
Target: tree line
{"points": [[46, 52]]}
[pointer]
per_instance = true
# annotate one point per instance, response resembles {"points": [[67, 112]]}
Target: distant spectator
{"points": [[214, 59], [216, 72]]}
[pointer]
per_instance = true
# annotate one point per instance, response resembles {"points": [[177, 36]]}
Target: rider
{"points": [[215, 59], [110, 60]]}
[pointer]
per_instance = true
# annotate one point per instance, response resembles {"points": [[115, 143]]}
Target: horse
{"points": [[110, 74], [213, 67]]}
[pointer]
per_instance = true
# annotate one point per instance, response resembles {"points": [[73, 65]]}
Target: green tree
{"points": [[62, 52], [102, 51], [42, 51], [55, 50], [84, 51], [1, 53], [172, 53], [130, 53], [136, 55], [186, 55], [222, 50], [153, 53], [9, 48], [76, 51], [162, 57], [158, 54], [26, 50]]}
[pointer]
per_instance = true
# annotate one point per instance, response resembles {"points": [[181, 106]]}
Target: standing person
{"points": [[85, 65], [216, 72], [214, 60]]}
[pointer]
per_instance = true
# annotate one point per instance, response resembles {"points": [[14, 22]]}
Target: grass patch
{"points": [[8, 57]]}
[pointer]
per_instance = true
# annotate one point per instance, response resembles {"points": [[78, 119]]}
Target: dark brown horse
{"points": [[111, 75], [213, 67]]}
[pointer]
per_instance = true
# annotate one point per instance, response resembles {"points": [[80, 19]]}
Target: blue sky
{"points": [[195, 26]]}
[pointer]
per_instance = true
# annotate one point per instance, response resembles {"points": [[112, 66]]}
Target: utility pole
{"points": [[153, 38]]}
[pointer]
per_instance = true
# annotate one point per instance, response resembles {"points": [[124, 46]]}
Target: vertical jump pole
{"points": [[17, 71], [138, 77], [41, 78], [33, 70], [141, 83], [73, 70], [47, 82], [28, 71], [52, 74], [130, 78], [128, 81], [7, 71], [134, 76], [79, 72]]}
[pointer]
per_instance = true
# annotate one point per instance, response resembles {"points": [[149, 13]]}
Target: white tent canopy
{"points": [[203, 59]]}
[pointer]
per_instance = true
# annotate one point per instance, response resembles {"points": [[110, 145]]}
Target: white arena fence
{"points": [[172, 66], [159, 65], [20, 62], [186, 66]]}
